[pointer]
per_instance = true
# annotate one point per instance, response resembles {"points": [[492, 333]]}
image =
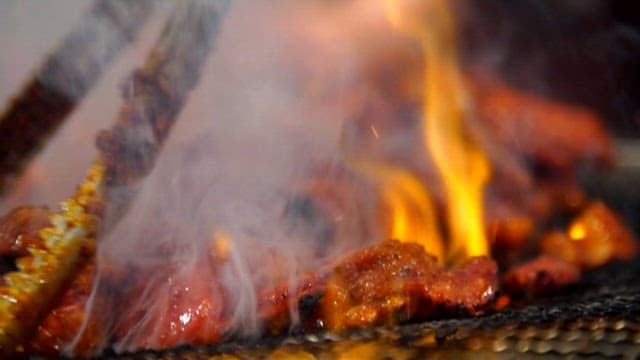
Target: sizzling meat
{"points": [[134, 313], [394, 282], [389, 283], [62, 324], [595, 237], [186, 307], [542, 275]]}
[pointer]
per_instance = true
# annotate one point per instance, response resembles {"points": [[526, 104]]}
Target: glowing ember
{"points": [[577, 232]]}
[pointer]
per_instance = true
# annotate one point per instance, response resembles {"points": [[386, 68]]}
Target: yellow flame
{"points": [[577, 231], [459, 159], [413, 215]]}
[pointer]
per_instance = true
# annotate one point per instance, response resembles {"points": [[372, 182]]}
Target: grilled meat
{"points": [[19, 230], [132, 312], [539, 276], [62, 323], [388, 283], [551, 133], [393, 282], [593, 238]]}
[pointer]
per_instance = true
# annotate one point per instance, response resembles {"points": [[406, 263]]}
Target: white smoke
{"points": [[277, 98], [269, 107]]}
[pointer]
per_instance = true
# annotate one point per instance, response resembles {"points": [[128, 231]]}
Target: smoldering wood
{"points": [[65, 76]]}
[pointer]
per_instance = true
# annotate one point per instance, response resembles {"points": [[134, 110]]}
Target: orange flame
{"points": [[413, 214], [460, 160]]}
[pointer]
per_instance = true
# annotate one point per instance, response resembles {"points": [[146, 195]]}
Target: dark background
{"points": [[584, 52]]}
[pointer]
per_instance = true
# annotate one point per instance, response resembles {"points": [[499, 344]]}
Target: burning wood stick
{"points": [[64, 78]]}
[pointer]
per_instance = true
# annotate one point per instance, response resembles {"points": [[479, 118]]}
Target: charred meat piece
{"points": [[19, 230], [389, 283], [274, 305], [540, 276], [394, 282], [595, 237]]}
